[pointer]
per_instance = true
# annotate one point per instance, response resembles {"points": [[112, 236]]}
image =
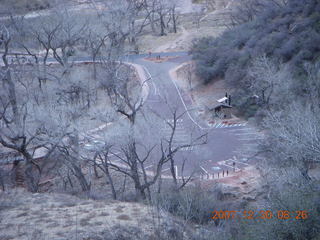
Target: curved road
{"points": [[226, 144]]}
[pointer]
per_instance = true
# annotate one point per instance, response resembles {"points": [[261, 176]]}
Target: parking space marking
{"points": [[164, 170], [246, 133], [180, 120], [204, 170], [227, 125], [250, 139], [242, 129], [232, 160], [187, 148], [236, 168]]}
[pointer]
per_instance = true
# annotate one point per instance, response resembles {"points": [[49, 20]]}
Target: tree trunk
{"points": [[109, 179], [2, 181], [95, 169], [174, 19], [69, 179], [140, 191], [140, 194], [159, 184], [162, 26], [76, 166], [173, 172], [151, 19], [32, 177], [18, 174]]}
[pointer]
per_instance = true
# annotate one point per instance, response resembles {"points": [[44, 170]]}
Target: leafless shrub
{"points": [[193, 204]]}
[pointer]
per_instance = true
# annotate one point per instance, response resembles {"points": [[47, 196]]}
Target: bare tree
{"points": [[95, 43], [134, 154], [103, 161], [125, 21], [198, 16], [266, 81], [68, 35], [25, 130], [294, 138], [162, 14], [173, 15], [35, 122], [174, 148], [292, 122], [75, 164], [247, 10]]}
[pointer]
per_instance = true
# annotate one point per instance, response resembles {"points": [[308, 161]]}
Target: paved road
{"points": [[226, 144]]}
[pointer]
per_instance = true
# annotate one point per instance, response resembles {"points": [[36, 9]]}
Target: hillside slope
{"points": [[24, 215], [288, 34]]}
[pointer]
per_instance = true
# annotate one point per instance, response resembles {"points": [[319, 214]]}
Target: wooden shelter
{"points": [[221, 110]]}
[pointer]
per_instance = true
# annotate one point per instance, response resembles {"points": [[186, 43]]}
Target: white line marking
{"points": [[238, 162], [228, 166], [164, 170], [202, 128], [243, 134], [204, 170], [153, 84], [114, 154], [187, 148], [242, 129], [117, 160], [250, 139]]}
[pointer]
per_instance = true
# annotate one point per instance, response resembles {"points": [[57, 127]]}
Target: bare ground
{"points": [[212, 23], [181, 41]]}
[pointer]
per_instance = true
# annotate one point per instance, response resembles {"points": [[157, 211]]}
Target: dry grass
{"points": [[59, 216], [213, 24], [6, 237], [48, 217]]}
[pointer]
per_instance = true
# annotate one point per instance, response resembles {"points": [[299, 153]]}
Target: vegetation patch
{"points": [[287, 33]]}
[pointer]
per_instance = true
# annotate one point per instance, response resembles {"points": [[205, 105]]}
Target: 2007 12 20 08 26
{"points": [[261, 214]]}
